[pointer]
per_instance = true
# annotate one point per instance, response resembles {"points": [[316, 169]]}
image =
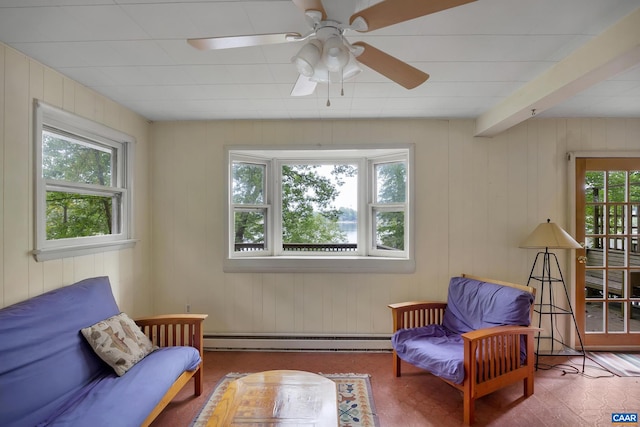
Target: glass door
{"points": [[608, 268]]}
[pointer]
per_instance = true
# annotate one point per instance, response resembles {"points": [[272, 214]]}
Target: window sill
{"points": [[323, 264], [79, 250]]}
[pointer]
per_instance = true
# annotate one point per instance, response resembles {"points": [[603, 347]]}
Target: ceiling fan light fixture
{"points": [[352, 68], [307, 58], [321, 74], [335, 54]]}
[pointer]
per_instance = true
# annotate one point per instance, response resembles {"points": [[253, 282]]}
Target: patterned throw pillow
{"points": [[119, 342]]}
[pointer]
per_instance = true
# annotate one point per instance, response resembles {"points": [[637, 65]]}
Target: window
{"points": [[344, 209], [82, 185]]}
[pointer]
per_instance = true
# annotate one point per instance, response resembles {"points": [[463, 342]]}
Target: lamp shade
{"points": [[549, 235]]}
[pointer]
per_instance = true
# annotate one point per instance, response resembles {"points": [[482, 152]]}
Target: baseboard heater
{"points": [[266, 342]]}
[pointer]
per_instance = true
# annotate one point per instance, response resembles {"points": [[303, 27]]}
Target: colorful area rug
{"points": [[355, 400], [620, 364]]}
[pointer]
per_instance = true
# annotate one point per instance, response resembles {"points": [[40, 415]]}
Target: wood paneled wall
{"points": [[21, 80], [476, 199]]}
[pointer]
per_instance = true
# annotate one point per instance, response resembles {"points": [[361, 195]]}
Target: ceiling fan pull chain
{"points": [[342, 82], [328, 83]]}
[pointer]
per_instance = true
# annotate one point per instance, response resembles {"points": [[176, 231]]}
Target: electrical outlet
{"points": [[188, 308]]}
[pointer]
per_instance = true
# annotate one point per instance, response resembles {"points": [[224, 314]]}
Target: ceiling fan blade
{"points": [[393, 68], [303, 87], [213, 43], [306, 5], [391, 12]]}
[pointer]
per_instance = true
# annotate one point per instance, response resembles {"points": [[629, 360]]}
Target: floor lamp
{"points": [[549, 235]]}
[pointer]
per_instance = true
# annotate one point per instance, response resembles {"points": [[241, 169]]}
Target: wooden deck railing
{"points": [[594, 275], [306, 247]]}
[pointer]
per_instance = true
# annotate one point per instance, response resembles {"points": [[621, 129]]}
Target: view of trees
{"points": [[616, 191], [307, 197], [248, 189], [72, 214], [391, 188], [309, 193]]}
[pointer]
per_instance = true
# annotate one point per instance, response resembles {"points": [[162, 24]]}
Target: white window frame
{"points": [[386, 207], [264, 206], [49, 118], [367, 259]]}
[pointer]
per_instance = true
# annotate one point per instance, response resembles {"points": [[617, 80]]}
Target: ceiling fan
{"points": [[328, 56]]}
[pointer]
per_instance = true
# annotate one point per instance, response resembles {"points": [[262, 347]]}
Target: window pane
{"points": [[594, 283], [615, 284], [616, 317], [594, 247], [634, 284], [314, 215], [391, 182], [389, 230], [248, 183], [617, 219], [634, 186], [616, 255], [594, 184], [594, 219], [80, 215], [616, 186], [249, 230], [75, 160], [634, 316], [595, 319]]}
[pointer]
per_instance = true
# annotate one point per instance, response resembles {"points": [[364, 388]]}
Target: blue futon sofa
{"points": [[51, 376]]}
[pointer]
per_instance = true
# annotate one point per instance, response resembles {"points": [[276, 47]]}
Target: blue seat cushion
{"points": [[111, 400], [40, 338], [473, 305], [432, 348]]}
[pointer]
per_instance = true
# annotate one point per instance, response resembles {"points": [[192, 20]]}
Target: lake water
{"points": [[351, 230]]}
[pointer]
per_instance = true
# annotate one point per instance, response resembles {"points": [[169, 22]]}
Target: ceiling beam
{"points": [[613, 51]]}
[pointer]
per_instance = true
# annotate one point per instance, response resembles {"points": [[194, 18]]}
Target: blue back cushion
{"points": [[40, 338], [472, 304]]}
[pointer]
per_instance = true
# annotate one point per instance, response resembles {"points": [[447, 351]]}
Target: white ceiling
{"points": [[135, 53]]}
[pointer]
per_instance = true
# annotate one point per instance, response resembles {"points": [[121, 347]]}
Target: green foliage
{"points": [[70, 214], [390, 230], [249, 227], [77, 215], [307, 215], [64, 160], [308, 197], [391, 188], [248, 183], [391, 182]]}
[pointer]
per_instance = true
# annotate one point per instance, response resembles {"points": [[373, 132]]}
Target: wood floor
{"points": [[562, 397]]}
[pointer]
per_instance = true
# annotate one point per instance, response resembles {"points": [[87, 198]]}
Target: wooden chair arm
{"points": [[413, 314], [494, 354], [483, 333], [174, 329]]}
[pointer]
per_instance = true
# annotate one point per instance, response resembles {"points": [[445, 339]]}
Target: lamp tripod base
{"points": [[547, 307]]}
